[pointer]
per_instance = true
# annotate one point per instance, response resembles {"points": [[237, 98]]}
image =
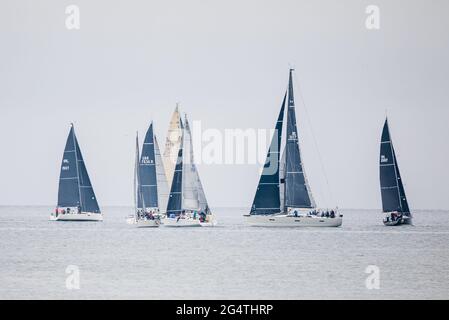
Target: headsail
{"points": [[172, 145], [199, 191], [392, 189], [147, 173], [75, 188], [190, 180], [162, 186], [267, 199], [297, 191]]}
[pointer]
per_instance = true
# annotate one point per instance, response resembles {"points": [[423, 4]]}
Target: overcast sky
{"points": [[227, 63]]}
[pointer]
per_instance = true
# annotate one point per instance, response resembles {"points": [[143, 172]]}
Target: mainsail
{"points": [[297, 190], [75, 188], [162, 186], [148, 196], [268, 197], [392, 189], [172, 145]]}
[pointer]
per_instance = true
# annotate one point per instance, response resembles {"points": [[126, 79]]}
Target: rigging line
{"points": [[298, 88]]}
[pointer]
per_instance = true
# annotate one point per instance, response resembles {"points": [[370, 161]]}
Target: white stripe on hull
{"points": [[292, 221]]}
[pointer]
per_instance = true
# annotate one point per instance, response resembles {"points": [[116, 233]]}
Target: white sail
{"points": [[203, 206], [172, 144], [189, 179], [162, 185]]}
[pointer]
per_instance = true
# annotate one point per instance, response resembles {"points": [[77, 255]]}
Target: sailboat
{"points": [[150, 184], [187, 203], [394, 201], [283, 197], [76, 196], [172, 144]]}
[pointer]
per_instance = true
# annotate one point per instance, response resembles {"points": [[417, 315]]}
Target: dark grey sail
{"points": [[391, 186], [267, 198], [297, 193], [174, 206], [69, 189], [75, 188], [148, 196]]}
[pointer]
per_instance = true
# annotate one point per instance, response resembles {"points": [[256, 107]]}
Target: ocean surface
{"points": [[231, 261]]}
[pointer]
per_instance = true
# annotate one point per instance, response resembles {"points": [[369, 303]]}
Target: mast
{"points": [[297, 190], [136, 165]]}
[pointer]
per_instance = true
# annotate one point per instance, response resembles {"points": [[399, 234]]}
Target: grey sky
{"points": [[227, 63]]}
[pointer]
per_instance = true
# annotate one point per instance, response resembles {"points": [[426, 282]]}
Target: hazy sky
{"points": [[227, 63]]}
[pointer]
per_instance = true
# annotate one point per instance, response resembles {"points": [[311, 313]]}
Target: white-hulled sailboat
{"points": [[394, 201], [76, 196], [187, 203], [150, 184], [283, 197]]}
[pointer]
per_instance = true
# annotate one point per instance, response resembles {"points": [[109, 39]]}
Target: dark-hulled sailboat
{"points": [[283, 197], [76, 196], [394, 201], [150, 184]]}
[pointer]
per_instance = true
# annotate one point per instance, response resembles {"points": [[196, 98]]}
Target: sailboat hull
{"points": [[84, 216], [210, 221], [292, 221], [401, 221], [148, 223], [175, 223]]}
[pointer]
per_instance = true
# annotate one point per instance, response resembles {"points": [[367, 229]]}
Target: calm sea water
{"points": [[231, 261]]}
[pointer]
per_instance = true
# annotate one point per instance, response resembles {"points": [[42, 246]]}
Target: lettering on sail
{"points": [[293, 136], [383, 159], [146, 160], [65, 165]]}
